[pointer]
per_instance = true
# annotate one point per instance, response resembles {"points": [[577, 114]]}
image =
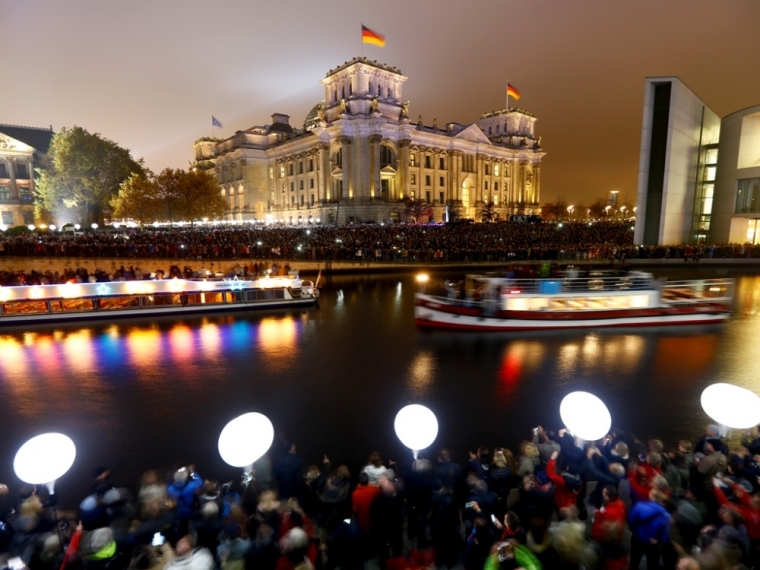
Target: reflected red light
{"points": [[510, 372]]}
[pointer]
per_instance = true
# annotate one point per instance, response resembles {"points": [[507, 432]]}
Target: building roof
{"points": [[365, 61], [37, 138]]}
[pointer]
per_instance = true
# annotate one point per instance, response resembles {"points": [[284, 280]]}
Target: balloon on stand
{"points": [[245, 439], [585, 416], [731, 406], [416, 426], [44, 458]]}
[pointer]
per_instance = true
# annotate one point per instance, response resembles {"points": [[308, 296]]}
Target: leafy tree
{"points": [[488, 213], [86, 171], [597, 208], [554, 210], [188, 196], [418, 210], [137, 200]]}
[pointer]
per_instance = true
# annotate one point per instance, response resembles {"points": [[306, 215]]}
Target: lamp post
{"points": [[607, 211], [622, 211], [570, 210], [244, 440], [585, 415], [416, 426]]}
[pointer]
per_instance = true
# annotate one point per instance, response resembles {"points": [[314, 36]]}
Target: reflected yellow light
{"points": [[144, 347], [277, 341], [210, 337], [13, 362], [77, 347], [422, 278], [422, 371], [181, 343]]}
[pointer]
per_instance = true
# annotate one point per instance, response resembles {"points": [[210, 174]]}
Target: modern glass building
{"points": [[699, 175]]}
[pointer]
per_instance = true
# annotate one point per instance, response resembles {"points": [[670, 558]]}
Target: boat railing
{"points": [[483, 289], [566, 284]]}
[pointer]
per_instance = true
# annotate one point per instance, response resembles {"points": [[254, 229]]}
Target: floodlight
{"points": [[51, 227], [245, 439], [31, 227], [585, 415], [422, 278], [731, 406], [416, 426], [94, 226], [77, 226], [44, 458]]}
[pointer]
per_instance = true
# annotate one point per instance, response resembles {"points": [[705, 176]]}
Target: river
{"points": [[156, 393]]}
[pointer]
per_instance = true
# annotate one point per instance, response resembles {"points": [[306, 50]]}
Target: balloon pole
{"points": [[51, 487], [415, 452], [247, 474]]}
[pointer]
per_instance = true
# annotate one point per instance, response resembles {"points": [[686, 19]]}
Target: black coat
{"points": [[287, 473]]}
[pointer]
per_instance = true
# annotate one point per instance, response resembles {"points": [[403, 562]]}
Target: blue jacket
{"points": [[649, 520], [184, 494]]}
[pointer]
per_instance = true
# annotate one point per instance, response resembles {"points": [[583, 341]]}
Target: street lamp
{"points": [[94, 226], [622, 211], [585, 415], [607, 211], [416, 426], [570, 210]]}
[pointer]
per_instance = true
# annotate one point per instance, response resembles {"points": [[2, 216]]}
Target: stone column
{"points": [[323, 172], [455, 169], [374, 165], [30, 167], [348, 185], [480, 177], [12, 174], [434, 181], [536, 184], [403, 170]]}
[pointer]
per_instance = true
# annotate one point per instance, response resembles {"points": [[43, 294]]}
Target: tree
{"points": [[597, 208], [86, 171], [418, 210], [554, 210], [488, 213], [188, 196], [137, 200]]}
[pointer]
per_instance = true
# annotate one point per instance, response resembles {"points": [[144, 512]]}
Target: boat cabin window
{"points": [[66, 305], [25, 307], [125, 302]]}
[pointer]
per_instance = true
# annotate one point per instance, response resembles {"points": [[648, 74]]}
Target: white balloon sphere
{"points": [[416, 426], [245, 439], [731, 405], [585, 415], [44, 458]]}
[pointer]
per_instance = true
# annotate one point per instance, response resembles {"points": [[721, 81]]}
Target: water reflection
{"points": [[422, 373]]}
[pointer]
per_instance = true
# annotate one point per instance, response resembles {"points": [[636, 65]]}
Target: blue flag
{"points": [[215, 122]]}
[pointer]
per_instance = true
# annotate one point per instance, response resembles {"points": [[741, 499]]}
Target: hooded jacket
{"points": [[649, 521]]}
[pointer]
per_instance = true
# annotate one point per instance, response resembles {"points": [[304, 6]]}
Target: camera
{"points": [[158, 539]]}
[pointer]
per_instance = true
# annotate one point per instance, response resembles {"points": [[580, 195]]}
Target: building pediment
{"points": [[9, 143], [388, 169], [473, 134]]}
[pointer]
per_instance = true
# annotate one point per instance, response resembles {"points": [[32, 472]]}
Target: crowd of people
{"points": [[557, 503], [460, 242]]}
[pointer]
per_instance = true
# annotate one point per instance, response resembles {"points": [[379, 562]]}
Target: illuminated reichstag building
{"points": [[359, 157]]}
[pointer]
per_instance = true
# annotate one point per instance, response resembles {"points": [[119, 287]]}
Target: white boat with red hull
{"points": [[634, 300]]}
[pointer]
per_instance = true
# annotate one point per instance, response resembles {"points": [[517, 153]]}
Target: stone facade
{"points": [[22, 149], [359, 157]]}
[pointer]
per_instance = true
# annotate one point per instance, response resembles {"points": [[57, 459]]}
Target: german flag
{"points": [[512, 92], [370, 37]]}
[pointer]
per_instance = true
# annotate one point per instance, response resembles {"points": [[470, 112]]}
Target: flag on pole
{"points": [[215, 122], [370, 37], [512, 92]]}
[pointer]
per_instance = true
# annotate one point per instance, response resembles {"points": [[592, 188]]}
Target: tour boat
{"points": [[120, 299], [634, 300]]}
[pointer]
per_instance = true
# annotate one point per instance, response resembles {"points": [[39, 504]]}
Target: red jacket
{"points": [[751, 516], [642, 490], [612, 513], [362, 499], [563, 497]]}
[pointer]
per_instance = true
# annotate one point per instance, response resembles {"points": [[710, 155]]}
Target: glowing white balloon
{"points": [[416, 427], [731, 405], [245, 439], [585, 415], [44, 458]]}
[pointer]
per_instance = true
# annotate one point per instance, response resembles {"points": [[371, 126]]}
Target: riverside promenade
{"points": [[335, 267]]}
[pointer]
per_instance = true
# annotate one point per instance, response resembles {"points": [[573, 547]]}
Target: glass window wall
{"points": [[748, 196]]}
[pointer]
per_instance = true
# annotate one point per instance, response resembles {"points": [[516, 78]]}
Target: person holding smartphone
{"points": [[511, 529]]}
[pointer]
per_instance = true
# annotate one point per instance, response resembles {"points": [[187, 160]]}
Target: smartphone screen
{"points": [[16, 563], [158, 539], [493, 518]]}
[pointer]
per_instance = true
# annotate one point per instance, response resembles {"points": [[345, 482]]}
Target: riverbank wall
{"points": [[312, 268]]}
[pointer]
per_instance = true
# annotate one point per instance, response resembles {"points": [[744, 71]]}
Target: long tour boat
{"points": [[120, 299], [637, 299]]}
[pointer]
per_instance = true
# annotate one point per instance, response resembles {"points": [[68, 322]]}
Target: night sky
{"points": [[149, 74]]}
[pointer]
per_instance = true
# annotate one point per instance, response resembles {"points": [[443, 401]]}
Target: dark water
{"points": [[136, 395]]}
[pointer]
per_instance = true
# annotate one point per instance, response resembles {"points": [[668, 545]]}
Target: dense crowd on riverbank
{"points": [[446, 243], [557, 503]]}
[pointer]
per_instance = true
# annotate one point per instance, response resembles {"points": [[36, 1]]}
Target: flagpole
{"points": [[507, 95], [362, 38]]}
